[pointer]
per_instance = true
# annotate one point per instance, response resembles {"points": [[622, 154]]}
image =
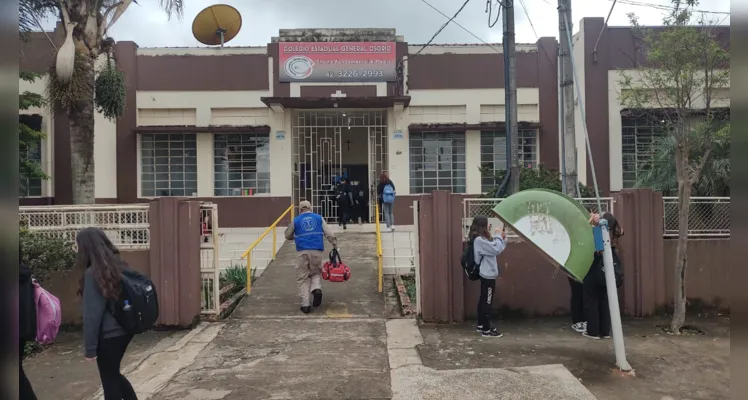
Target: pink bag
{"points": [[48, 315]]}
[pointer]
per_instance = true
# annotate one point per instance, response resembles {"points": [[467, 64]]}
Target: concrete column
{"points": [[205, 165], [472, 161]]}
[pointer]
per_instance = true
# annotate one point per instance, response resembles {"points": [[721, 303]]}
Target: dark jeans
{"points": [[596, 302], [109, 359], [344, 211], [577, 301], [25, 391], [485, 309]]}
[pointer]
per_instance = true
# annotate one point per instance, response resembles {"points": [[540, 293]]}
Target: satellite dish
{"points": [[216, 24]]}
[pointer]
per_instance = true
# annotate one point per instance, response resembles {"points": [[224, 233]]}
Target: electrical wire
{"points": [[668, 8], [439, 30], [489, 10], [537, 38], [605, 25], [461, 26]]}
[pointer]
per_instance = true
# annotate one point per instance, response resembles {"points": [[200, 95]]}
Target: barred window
{"points": [[437, 162], [168, 164], [242, 164], [493, 153], [638, 137], [32, 152]]}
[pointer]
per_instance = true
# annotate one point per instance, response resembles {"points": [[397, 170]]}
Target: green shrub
{"points": [[534, 178], [237, 275], [30, 348], [44, 254]]}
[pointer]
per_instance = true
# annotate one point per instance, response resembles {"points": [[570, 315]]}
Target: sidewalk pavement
{"points": [[61, 371]]}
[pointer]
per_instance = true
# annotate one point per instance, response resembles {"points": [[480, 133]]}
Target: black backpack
{"points": [[136, 310], [471, 268]]}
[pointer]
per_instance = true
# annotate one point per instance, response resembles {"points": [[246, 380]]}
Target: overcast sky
{"points": [[148, 26]]}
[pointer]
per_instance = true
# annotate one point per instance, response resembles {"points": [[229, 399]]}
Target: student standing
{"points": [[105, 341], [595, 288], [578, 320], [486, 249], [386, 198], [344, 199]]}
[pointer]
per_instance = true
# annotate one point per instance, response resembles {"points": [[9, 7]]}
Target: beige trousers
{"points": [[308, 274]]}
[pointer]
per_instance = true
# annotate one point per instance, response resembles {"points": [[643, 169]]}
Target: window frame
{"points": [[532, 133], [456, 174], [250, 137], [184, 165]]}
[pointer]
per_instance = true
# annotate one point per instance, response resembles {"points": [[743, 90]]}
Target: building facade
{"points": [[255, 128]]}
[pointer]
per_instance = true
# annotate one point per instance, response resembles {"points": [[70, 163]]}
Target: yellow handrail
{"points": [[379, 246], [272, 227]]}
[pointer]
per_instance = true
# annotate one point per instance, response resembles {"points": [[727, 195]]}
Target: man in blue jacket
{"points": [[308, 231]]}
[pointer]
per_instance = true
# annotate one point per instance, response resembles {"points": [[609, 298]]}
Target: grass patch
{"points": [[410, 287]]}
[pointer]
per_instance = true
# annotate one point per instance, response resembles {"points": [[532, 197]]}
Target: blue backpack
{"points": [[388, 194]]}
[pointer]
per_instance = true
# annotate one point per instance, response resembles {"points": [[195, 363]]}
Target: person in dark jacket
{"points": [[344, 199], [596, 304], [105, 341], [26, 325]]}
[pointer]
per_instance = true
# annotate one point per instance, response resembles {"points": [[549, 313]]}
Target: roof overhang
{"points": [[483, 126], [203, 129], [280, 103]]}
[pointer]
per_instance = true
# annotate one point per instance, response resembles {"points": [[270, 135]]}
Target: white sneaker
{"points": [[579, 327]]}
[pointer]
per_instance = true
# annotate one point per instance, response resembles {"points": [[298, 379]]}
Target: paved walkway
{"points": [[268, 349], [345, 349]]}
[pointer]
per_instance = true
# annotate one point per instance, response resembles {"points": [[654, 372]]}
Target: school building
{"points": [[256, 128]]}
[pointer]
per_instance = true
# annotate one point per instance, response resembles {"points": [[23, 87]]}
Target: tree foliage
{"points": [[687, 72], [29, 138], [86, 23], [534, 178], [660, 174]]}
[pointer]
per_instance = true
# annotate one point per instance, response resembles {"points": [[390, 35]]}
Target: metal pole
{"points": [[567, 86], [610, 280], [561, 136], [511, 98]]}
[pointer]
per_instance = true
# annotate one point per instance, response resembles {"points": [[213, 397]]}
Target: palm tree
{"points": [[659, 173], [73, 76]]}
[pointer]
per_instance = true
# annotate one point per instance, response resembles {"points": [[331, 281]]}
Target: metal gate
{"points": [[317, 154]]}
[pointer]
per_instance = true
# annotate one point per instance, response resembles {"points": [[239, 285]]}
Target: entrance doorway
{"points": [[330, 144]]}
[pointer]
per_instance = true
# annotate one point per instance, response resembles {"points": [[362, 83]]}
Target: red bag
{"points": [[334, 270]]}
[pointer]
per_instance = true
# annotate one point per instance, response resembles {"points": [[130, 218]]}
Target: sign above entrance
{"points": [[336, 61]]}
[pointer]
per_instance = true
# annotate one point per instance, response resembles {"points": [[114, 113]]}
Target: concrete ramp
{"points": [[274, 293]]}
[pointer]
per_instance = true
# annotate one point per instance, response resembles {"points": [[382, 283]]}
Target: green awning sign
{"points": [[555, 224]]}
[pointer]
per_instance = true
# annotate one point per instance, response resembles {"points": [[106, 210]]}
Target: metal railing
{"points": [[707, 217], [126, 225], [378, 230], [248, 253], [210, 273], [484, 206]]}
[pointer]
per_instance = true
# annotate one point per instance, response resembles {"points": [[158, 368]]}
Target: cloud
{"points": [[148, 26]]}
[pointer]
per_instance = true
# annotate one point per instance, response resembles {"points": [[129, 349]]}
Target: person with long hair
{"points": [[386, 207], [596, 303], [105, 341], [486, 248]]}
